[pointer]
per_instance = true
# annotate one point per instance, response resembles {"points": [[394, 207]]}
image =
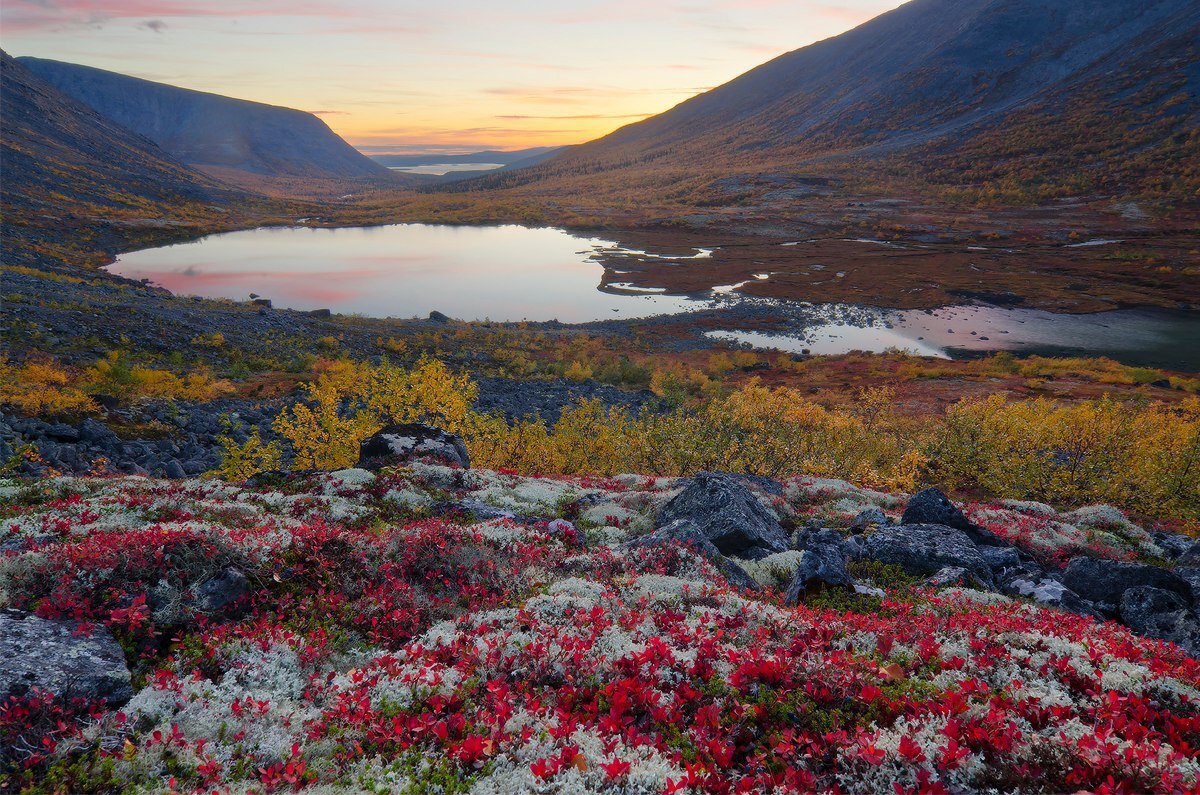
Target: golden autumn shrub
{"points": [[39, 388], [1145, 457]]}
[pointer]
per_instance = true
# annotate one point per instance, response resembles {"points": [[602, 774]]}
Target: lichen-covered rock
{"points": [[823, 565], [728, 514], [954, 576], [1156, 613], [218, 594], [56, 656], [932, 506], [927, 549], [396, 445], [1105, 581]]}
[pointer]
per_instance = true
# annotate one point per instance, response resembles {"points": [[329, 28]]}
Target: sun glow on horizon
{"points": [[461, 76]]}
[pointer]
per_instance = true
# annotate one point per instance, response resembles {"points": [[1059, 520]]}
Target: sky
{"points": [[453, 75]]}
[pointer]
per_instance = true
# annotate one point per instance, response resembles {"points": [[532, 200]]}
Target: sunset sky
{"points": [[456, 74]]}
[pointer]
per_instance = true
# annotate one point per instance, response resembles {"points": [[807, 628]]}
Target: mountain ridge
{"points": [[211, 131], [938, 78]]}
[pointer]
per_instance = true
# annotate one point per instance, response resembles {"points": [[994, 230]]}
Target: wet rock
{"points": [[1156, 613], [217, 594], [55, 656], [728, 515], [927, 549], [823, 565], [397, 445], [932, 506], [1105, 581]]}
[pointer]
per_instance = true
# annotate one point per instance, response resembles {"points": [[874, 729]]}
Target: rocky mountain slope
{"points": [[1069, 96], [64, 162], [212, 132], [425, 627]]}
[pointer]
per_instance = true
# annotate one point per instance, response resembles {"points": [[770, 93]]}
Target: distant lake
{"points": [[439, 169], [503, 273], [512, 273]]}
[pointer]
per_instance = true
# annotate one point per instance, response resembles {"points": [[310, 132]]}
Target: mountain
{"points": [[63, 160], [233, 139], [1047, 98]]}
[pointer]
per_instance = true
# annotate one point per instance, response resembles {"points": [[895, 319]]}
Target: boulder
{"points": [[57, 656], [1173, 545], [728, 515], [865, 520], [927, 549], [1105, 581], [932, 506], [1051, 592], [217, 594], [954, 577], [1156, 613], [686, 533], [1000, 558], [397, 445], [823, 565]]}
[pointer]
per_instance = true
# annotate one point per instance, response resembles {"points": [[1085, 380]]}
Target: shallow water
{"points": [[1137, 337], [511, 273]]}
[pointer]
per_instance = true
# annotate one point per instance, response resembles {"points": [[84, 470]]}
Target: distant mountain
{"points": [[61, 160], [1046, 97], [535, 154], [222, 136]]}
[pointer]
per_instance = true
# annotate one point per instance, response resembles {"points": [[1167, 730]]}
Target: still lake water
{"points": [[510, 273]]}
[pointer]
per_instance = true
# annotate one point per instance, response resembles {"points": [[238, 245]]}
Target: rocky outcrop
{"points": [[822, 566], [931, 506], [61, 658], [728, 515], [397, 445], [1105, 581], [926, 549], [1156, 613]]}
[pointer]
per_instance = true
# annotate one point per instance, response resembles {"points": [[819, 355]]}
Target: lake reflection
{"points": [[504, 273]]}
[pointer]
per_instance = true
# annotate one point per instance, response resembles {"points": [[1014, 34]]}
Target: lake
{"points": [[512, 273]]}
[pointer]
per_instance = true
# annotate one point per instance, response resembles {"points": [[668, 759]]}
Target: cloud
{"points": [[57, 15], [329, 112], [155, 25]]}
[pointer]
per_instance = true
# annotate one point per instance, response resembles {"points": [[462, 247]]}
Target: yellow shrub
{"points": [[41, 389], [241, 461], [320, 434]]}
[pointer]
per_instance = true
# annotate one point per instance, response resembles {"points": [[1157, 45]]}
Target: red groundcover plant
{"points": [[378, 649]]}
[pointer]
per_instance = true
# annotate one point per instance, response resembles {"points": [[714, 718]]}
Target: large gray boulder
{"points": [[926, 549], [397, 445], [728, 514], [822, 566], [1104, 581], [932, 506], [1156, 613], [57, 657]]}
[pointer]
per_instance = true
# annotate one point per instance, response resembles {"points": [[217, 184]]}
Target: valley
{"points": [[552, 401]]}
